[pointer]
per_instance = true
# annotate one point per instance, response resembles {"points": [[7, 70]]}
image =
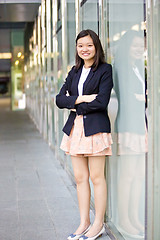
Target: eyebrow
{"points": [[85, 43]]}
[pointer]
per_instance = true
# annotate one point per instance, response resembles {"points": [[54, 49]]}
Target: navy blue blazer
{"points": [[95, 114]]}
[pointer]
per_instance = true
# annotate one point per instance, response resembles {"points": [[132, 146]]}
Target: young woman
{"points": [[86, 92]]}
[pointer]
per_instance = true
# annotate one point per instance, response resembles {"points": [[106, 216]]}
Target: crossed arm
{"points": [[84, 98], [87, 103]]}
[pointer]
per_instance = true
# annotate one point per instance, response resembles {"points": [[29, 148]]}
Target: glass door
{"points": [[125, 47]]}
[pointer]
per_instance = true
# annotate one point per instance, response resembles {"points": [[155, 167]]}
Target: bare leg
{"points": [[127, 169], [97, 165], [81, 173], [136, 192]]}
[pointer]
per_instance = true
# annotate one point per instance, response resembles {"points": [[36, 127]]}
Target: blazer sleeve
{"points": [[62, 100], [103, 97]]}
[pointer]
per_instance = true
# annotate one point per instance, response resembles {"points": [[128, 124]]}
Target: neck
{"points": [[88, 64]]}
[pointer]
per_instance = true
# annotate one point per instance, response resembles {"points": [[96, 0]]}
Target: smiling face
{"points": [[86, 50], [137, 48]]}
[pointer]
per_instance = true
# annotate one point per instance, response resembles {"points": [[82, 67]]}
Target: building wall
{"points": [[121, 26]]}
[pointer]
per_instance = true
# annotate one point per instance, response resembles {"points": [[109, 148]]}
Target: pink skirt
{"points": [[77, 144], [132, 143]]}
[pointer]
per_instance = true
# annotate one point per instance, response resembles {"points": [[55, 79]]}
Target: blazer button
{"points": [[85, 116]]}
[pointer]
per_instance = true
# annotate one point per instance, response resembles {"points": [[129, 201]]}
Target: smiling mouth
{"points": [[85, 54]]}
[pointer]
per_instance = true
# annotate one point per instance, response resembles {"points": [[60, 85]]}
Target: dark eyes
{"points": [[89, 45]]}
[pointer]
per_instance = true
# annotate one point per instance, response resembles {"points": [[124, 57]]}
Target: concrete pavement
{"points": [[37, 198]]}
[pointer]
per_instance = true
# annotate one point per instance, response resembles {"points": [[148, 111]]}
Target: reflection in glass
{"points": [[89, 15], [125, 44], [71, 33], [130, 126]]}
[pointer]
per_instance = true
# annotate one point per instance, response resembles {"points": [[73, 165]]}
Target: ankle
{"points": [[85, 224], [98, 224], [82, 227]]}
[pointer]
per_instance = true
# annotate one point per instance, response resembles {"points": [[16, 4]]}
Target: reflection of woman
{"points": [[131, 128], [130, 86], [87, 138]]}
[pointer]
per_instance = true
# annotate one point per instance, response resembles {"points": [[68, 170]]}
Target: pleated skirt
{"points": [[132, 143], [77, 144]]}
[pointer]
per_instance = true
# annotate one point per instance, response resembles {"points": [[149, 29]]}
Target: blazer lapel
{"points": [[90, 75]]}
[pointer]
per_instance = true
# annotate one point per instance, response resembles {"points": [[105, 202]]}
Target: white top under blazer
{"points": [[83, 77]]}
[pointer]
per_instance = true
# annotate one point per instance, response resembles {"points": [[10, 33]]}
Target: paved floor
{"points": [[37, 198]]}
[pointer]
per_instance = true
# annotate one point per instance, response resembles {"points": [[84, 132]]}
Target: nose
{"points": [[85, 49]]}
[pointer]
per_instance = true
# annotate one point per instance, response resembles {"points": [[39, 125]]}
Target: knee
{"points": [[97, 178], [81, 177]]}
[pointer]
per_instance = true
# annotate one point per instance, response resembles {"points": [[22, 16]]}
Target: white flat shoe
{"points": [[77, 236], [94, 237]]}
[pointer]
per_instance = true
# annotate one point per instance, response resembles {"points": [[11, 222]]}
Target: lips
{"points": [[85, 54]]}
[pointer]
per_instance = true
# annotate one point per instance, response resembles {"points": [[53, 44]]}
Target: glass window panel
{"points": [[59, 76], [59, 15], [71, 32], [89, 9], [125, 47], [71, 36]]}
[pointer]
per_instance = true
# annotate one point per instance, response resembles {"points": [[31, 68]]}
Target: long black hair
{"points": [[99, 56]]}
